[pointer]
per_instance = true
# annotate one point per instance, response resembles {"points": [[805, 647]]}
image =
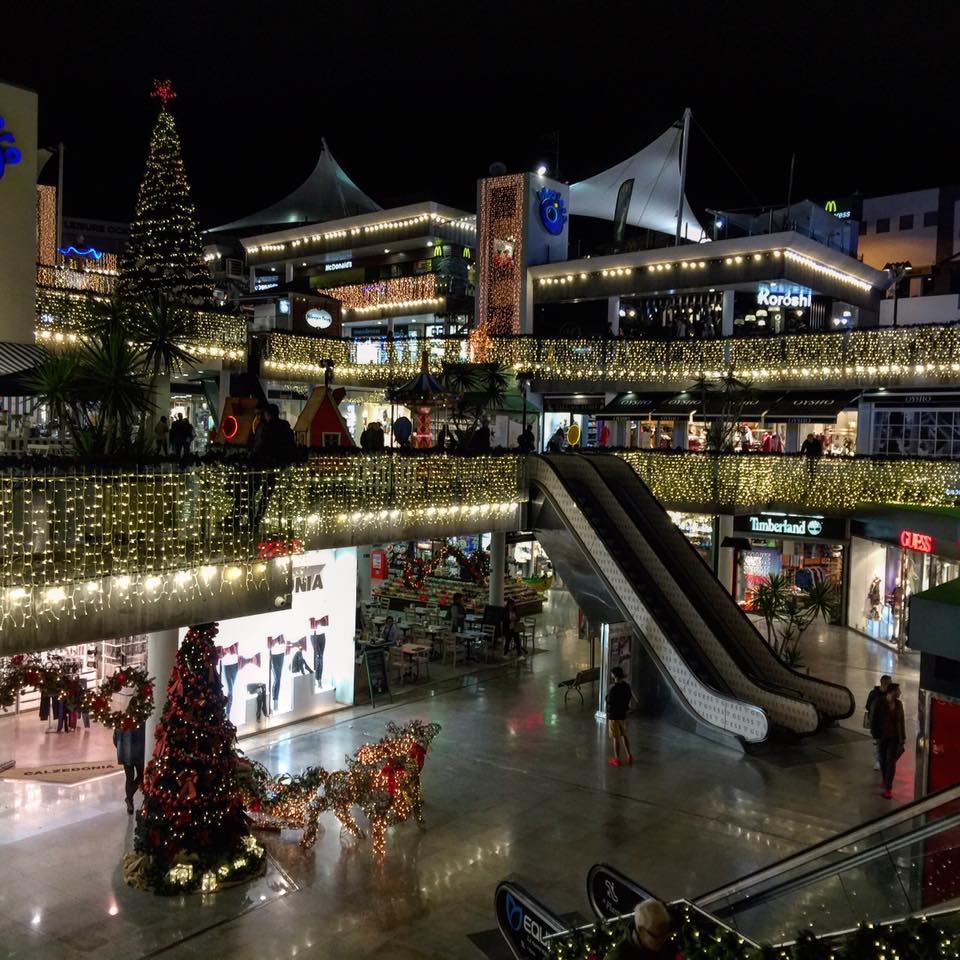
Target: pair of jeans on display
{"points": [[319, 641], [230, 675], [276, 666]]}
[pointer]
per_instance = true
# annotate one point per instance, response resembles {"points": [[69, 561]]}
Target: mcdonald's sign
{"points": [[831, 207]]}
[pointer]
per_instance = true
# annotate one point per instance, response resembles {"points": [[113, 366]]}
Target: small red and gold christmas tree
{"points": [[192, 832]]}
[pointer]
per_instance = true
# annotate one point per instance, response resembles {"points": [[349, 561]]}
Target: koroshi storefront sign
{"points": [[788, 525], [775, 295]]}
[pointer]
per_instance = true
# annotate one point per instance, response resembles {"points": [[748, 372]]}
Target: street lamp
{"points": [[897, 270]]}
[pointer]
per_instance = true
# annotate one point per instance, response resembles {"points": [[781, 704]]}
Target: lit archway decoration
{"points": [[229, 426]]}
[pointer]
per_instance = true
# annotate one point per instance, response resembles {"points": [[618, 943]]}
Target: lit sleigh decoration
{"points": [[382, 779]]}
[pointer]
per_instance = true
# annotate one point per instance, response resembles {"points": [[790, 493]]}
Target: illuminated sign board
{"points": [[913, 540], [339, 265], [769, 296], [787, 525], [831, 207], [9, 152]]}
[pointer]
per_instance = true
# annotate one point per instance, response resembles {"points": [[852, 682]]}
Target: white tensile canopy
{"points": [[655, 171], [327, 194]]}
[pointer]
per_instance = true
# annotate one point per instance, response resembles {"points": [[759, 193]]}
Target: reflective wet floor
{"points": [[516, 785]]}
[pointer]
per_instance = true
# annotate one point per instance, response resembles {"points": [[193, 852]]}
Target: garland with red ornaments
{"points": [[54, 679], [416, 571]]}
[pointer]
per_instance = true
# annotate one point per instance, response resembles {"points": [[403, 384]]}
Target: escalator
{"points": [[713, 603], [901, 864], [625, 560]]}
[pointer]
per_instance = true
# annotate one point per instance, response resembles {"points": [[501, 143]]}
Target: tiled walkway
{"points": [[516, 785]]}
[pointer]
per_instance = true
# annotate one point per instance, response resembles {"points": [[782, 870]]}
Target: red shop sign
{"points": [[378, 564], [912, 540]]}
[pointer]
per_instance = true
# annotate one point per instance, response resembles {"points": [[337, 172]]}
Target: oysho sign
{"points": [[770, 298]]}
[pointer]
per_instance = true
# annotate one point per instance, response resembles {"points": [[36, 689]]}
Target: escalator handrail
{"points": [[832, 844], [722, 696], [747, 621], [855, 859]]}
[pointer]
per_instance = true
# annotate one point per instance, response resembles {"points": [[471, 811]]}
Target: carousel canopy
{"points": [[652, 177], [423, 388]]}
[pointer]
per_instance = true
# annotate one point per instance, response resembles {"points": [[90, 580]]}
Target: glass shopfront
{"points": [[883, 577], [813, 555], [292, 664], [698, 529]]}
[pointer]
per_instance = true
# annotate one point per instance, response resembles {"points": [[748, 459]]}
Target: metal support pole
{"points": [[683, 171]]}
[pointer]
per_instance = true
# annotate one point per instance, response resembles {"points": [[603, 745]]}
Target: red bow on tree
{"points": [[419, 754], [245, 660], [188, 785], [392, 772]]}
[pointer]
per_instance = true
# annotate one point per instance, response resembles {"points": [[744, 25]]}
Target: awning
{"points": [[666, 405], [17, 363], [634, 404], [812, 406], [513, 404], [933, 620]]}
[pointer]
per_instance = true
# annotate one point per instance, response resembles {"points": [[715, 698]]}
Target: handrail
{"points": [[832, 844]]}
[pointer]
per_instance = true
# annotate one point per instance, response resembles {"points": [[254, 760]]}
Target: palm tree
{"points": [[480, 389], [161, 327], [55, 380]]}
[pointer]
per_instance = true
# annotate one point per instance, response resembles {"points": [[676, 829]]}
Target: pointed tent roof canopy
{"points": [[327, 194], [655, 171]]}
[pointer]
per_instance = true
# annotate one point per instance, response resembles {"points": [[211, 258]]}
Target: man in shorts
{"points": [[618, 702]]}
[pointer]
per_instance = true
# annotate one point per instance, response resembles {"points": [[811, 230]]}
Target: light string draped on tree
{"points": [[192, 832], [164, 254]]}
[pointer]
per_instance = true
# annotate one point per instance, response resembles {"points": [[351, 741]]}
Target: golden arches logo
{"points": [[830, 206]]}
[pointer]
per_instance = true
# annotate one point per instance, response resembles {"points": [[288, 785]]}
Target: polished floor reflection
{"points": [[517, 784]]}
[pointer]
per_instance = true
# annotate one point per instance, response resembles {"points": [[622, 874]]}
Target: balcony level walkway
{"points": [[517, 784]]}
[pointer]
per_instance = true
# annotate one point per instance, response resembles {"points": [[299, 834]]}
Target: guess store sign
{"points": [[913, 540]]}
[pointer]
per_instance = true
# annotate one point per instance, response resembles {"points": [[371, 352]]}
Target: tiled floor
{"points": [[517, 785]]}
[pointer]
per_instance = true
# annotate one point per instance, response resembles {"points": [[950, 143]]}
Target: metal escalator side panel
{"points": [[833, 700], [740, 718], [786, 709]]}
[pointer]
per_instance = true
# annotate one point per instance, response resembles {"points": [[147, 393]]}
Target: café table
{"points": [[470, 639], [410, 652]]}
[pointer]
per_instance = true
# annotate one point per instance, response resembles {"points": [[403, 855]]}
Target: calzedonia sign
{"points": [[787, 525]]}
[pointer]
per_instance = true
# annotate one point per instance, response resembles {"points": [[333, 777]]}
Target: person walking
{"points": [[526, 441], [875, 694], [511, 628], [131, 748], [162, 436], [457, 613], [888, 728], [556, 441], [812, 449], [618, 703]]}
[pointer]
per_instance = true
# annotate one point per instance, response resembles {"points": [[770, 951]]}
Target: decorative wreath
{"points": [[25, 671], [97, 701]]}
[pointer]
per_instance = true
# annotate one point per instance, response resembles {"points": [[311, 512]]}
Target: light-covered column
{"points": [[498, 560], [161, 657]]}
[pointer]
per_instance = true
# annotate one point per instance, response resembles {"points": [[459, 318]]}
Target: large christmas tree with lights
{"points": [[192, 832], [164, 254]]}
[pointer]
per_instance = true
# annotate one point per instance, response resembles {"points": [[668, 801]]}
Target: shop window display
{"points": [[698, 529], [291, 664]]}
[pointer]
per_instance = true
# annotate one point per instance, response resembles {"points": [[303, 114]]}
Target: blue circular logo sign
{"points": [[553, 211]]}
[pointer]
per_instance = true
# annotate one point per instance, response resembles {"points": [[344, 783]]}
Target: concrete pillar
{"points": [[364, 585], [161, 657], [288, 272], [613, 315], [253, 279], [620, 431], [726, 315], [791, 442], [498, 561], [680, 428], [222, 395], [725, 555], [864, 428]]}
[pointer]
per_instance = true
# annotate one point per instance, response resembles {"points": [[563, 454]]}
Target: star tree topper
{"points": [[164, 92]]}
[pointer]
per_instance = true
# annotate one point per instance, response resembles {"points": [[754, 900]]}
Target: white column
{"points": [[498, 560], [726, 324], [613, 315], [680, 433], [620, 432], [364, 586], [725, 555], [161, 657], [288, 272], [791, 442], [253, 280], [864, 427]]}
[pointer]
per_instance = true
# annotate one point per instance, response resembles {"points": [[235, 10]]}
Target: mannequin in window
{"points": [[874, 599], [318, 641], [278, 650]]}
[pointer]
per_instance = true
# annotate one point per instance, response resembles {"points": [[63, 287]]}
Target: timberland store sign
{"points": [[786, 525]]}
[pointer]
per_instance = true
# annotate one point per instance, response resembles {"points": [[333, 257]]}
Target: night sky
{"points": [[417, 99]]}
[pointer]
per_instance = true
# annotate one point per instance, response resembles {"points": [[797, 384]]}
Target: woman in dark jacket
{"points": [[131, 747], [888, 729]]}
